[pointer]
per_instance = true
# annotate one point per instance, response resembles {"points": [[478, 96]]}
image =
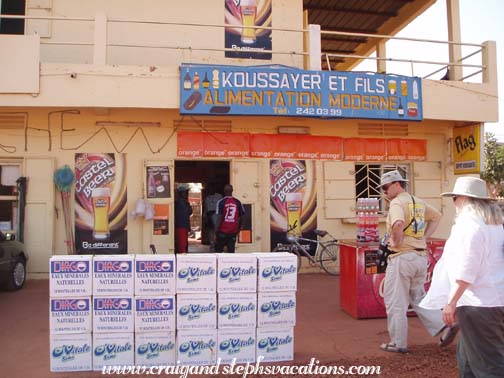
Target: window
{"points": [[367, 179], [8, 197], [12, 7]]}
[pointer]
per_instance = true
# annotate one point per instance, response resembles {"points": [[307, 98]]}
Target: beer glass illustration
{"points": [[248, 9], [294, 204], [404, 88], [101, 206], [392, 87]]}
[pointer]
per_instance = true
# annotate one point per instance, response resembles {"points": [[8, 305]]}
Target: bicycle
{"points": [[326, 253]]}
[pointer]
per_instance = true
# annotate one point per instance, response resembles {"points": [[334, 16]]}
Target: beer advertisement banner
{"points": [[245, 41], [100, 203], [467, 149], [293, 201], [285, 91]]}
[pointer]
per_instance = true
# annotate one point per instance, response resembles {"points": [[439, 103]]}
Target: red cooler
{"points": [[361, 285]]}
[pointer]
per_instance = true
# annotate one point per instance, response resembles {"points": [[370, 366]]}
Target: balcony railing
{"points": [[104, 37]]}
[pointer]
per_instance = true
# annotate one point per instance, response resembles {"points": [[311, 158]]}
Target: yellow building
{"points": [[105, 88]]}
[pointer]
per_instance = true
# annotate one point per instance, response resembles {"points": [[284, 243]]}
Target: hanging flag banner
{"points": [[284, 91], [293, 201], [100, 204], [467, 149]]}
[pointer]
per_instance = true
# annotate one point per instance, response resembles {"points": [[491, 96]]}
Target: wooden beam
{"points": [[336, 9]]}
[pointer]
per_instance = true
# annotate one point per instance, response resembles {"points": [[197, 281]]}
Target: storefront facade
{"points": [[119, 117]]}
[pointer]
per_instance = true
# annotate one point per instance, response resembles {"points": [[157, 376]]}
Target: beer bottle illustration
{"points": [[400, 109], [215, 79], [187, 81], [206, 82], [196, 81]]}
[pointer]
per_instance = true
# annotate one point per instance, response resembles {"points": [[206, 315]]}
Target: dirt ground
{"points": [[323, 331]]}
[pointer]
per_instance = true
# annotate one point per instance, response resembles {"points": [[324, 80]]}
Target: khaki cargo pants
{"points": [[404, 286]]}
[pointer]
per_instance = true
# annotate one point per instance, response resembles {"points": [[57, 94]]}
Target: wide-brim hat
{"points": [[391, 176], [470, 187]]}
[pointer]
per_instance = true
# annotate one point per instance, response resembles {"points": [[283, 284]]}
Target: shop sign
{"points": [[285, 91], [467, 149]]}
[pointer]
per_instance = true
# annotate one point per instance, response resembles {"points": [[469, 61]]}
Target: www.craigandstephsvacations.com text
{"points": [[182, 371]]}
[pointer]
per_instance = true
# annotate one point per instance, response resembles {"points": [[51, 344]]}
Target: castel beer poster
{"points": [[244, 34], [100, 203], [293, 200]]}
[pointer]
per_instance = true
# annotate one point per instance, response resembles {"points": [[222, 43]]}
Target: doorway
{"points": [[201, 175]]}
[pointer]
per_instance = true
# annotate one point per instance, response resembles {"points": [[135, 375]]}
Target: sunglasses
{"points": [[385, 187]]}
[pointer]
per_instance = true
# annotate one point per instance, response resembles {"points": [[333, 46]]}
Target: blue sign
{"points": [[284, 91]]}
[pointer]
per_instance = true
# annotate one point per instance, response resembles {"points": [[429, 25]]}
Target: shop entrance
{"points": [[201, 176]]}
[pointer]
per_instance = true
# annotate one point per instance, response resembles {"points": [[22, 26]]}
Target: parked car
{"points": [[13, 258]]}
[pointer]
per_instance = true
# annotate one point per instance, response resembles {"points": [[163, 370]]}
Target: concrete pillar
{"points": [[455, 51], [489, 62], [314, 48], [100, 39], [381, 52]]}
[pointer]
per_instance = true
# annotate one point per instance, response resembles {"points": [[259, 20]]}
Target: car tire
{"points": [[17, 275]]}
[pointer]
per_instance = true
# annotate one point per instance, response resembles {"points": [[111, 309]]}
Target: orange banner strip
{"points": [[274, 146]]}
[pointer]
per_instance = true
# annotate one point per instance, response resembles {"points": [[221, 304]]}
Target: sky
{"points": [[481, 20]]}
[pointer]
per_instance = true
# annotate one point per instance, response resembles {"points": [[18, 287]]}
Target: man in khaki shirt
{"points": [[410, 222]]}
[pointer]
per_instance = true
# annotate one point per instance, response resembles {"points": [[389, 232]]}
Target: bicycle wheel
{"points": [[329, 259]]}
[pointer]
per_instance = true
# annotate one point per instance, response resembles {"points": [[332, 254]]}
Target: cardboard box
{"points": [[70, 315], [236, 273], [112, 349], [155, 275], [155, 314], [197, 347], [70, 276], [196, 273], [71, 352], [196, 311], [275, 344], [113, 314], [277, 271], [276, 309], [236, 343], [113, 275], [237, 310], [154, 349]]}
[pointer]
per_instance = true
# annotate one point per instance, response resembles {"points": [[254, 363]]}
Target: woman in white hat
{"points": [[468, 281]]}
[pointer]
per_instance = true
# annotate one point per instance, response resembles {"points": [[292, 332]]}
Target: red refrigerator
{"points": [[361, 285]]}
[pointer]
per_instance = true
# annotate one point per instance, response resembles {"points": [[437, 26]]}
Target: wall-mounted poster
{"points": [[160, 222], [244, 40], [467, 149], [100, 203], [293, 200], [158, 182], [245, 235]]}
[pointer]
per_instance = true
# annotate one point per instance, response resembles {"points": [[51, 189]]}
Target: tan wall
{"points": [[438, 168], [287, 14]]}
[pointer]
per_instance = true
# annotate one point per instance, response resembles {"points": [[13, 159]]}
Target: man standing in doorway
{"points": [[183, 211], [410, 221], [229, 213], [210, 217]]}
